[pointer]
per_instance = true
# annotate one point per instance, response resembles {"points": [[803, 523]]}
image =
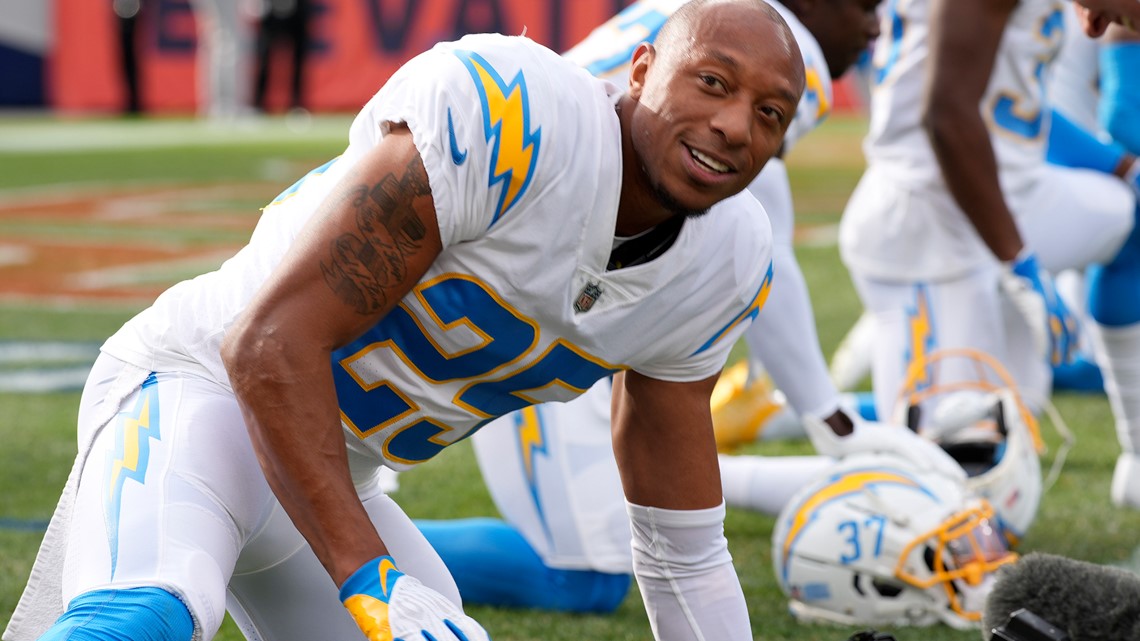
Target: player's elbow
{"points": [[247, 353], [940, 121]]}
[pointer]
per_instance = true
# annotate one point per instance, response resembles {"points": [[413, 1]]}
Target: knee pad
{"points": [[494, 565], [137, 614], [587, 591]]}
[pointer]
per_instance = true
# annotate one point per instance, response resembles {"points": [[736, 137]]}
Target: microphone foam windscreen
{"points": [[1087, 600]]}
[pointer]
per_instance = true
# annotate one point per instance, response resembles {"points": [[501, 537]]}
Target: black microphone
{"points": [[1089, 602], [871, 635], [1023, 625]]}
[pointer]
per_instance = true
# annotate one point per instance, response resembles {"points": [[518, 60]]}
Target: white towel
{"points": [[42, 601]]}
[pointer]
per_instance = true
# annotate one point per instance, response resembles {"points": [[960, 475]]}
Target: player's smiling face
{"points": [[710, 116]]}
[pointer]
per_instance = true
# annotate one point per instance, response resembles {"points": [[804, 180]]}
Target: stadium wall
{"points": [[355, 45], [25, 39]]}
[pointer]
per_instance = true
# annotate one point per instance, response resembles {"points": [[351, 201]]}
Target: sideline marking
{"points": [[31, 367], [23, 525]]}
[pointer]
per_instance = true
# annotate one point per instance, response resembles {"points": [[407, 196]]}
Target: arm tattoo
{"points": [[364, 266]]}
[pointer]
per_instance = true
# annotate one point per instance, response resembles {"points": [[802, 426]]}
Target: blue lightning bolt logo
{"points": [[506, 126], [131, 456], [532, 443]]}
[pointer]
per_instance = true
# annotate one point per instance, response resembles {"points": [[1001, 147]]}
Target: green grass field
{"points": [[193, 192]]}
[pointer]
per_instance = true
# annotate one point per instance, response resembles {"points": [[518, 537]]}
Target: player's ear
{"points": [[643, 57]]}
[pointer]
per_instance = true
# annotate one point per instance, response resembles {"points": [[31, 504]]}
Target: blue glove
{"points": [[1054, 328], [389, 605]]}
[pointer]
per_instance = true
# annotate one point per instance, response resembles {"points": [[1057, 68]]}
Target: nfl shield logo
{"points": [[587, 297]]}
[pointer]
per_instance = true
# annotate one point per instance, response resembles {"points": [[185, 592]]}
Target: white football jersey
{"points": [[901, 222], [523, 154], [1074, 88], [1013, 104]]}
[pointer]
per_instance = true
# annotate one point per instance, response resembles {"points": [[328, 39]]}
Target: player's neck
{"points": [[638, 207]]}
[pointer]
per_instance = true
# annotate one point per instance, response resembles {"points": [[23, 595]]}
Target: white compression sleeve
{"points": [[686, 577]]}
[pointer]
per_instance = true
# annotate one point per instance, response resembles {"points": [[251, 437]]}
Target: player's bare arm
{"points": [[370, 242], [964, 39], [663, 440], [365, 264]]}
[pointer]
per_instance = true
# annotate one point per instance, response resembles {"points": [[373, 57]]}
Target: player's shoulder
{"points": [[736, 238], [496, 71], [607, 50], [732, 264], [515, 59], [499, 122], [741, 213], [513, 76]]}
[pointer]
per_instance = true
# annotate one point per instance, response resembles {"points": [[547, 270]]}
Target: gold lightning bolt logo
{"points": [[127, 462], [815, 88], [506, 128], [921, 341], [530, 439]]}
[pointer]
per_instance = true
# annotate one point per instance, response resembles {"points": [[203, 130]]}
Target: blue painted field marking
{"points": [[45, 366], [23, 525]]}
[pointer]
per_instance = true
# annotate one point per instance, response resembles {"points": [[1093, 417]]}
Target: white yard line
{"points": [[149, 272], [61, 135]]}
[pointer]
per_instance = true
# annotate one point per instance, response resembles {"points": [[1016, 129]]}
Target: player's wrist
{"points": [[1010, 257], [374, 578], [1024, 264], [366, 594], [387, 604], [840, 422]]}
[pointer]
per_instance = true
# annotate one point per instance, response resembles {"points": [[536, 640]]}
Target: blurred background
{"points": [[227, 58]]}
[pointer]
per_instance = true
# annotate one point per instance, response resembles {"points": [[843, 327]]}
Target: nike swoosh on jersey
{"points": [[457, 156]]}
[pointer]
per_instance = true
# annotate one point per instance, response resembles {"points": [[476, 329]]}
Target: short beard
{"points": [[669, 202]]}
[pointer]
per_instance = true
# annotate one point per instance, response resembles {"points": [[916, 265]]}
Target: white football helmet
{"points": [[965, 401], [877, 541]]}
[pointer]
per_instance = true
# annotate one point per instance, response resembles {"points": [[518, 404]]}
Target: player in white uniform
{"points": [[1073, 90], [783, 341], [1116, 303], [1093, 86], [448, 268], [943, 234], [550, 469]]}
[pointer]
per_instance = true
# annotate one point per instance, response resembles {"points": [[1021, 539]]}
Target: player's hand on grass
{"points": [[1031, 289], [874, 436], [389, 605]]}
